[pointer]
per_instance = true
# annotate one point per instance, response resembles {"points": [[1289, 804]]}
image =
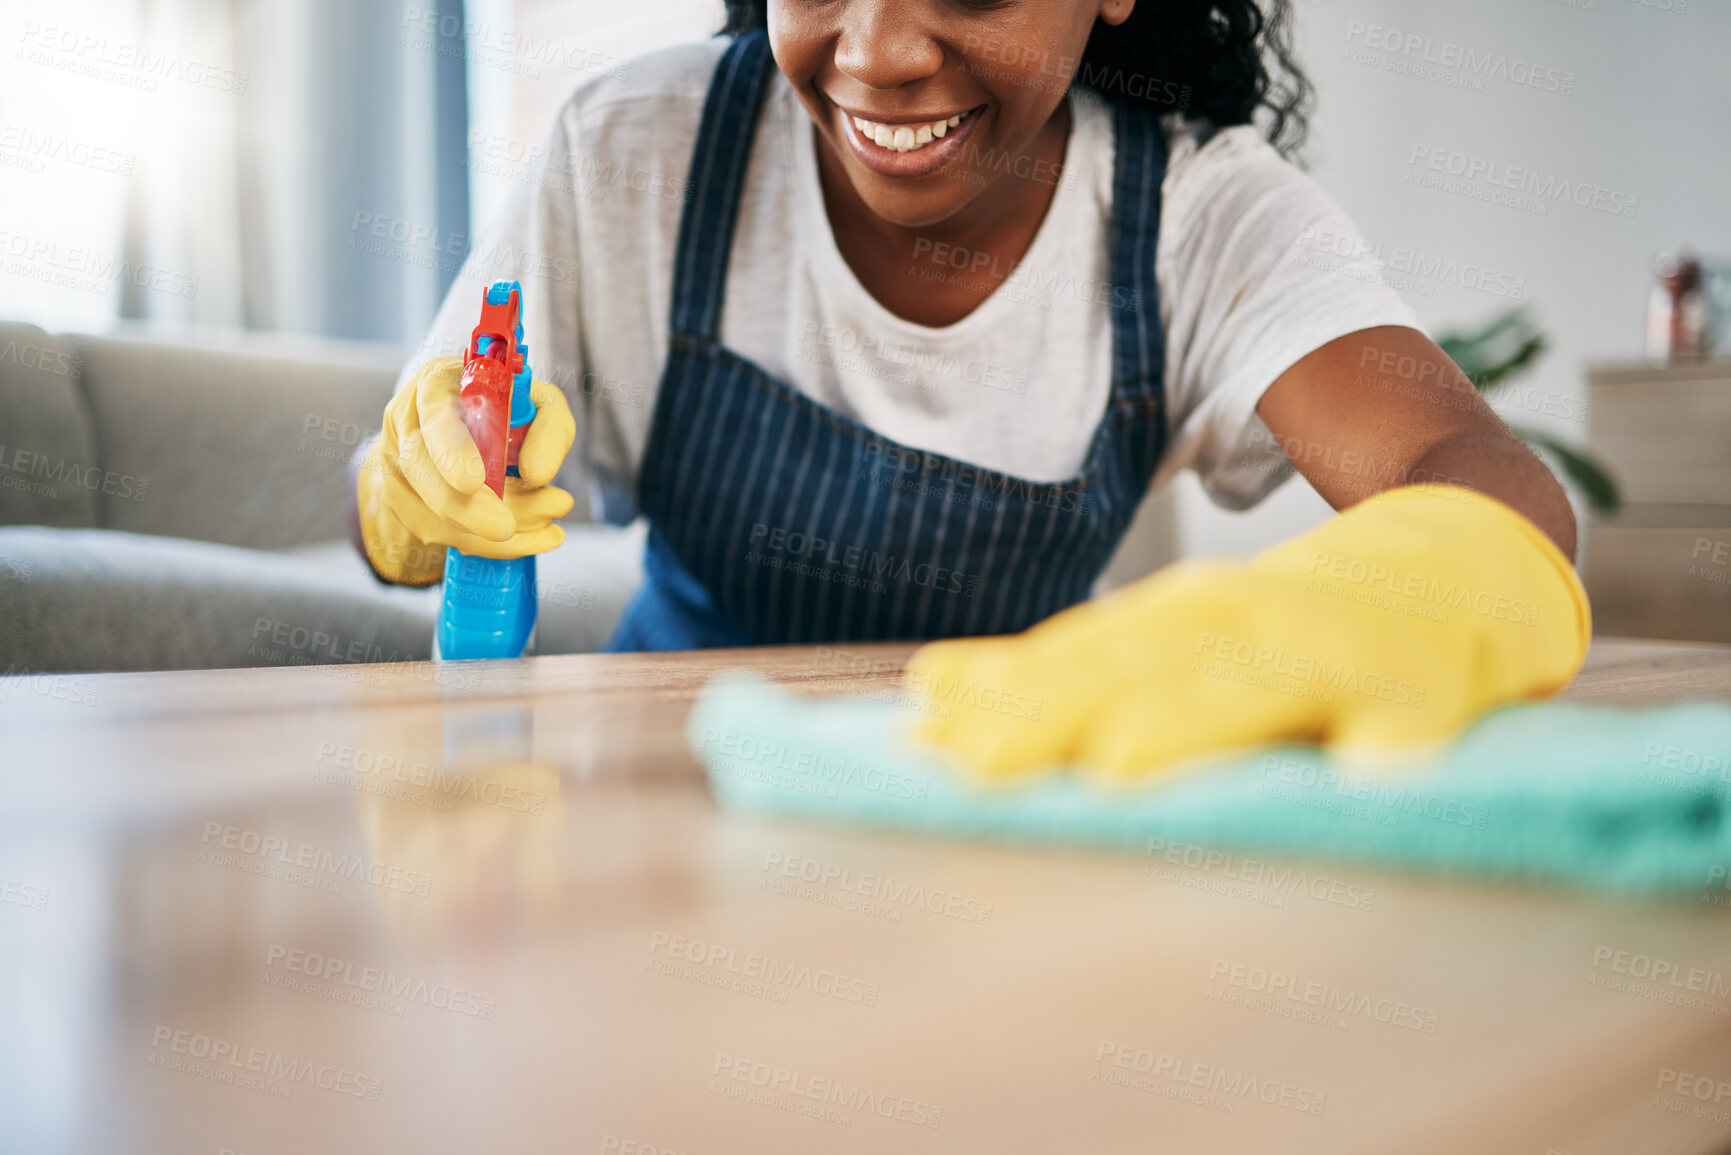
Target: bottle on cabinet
{"points": [[1677, 311]]}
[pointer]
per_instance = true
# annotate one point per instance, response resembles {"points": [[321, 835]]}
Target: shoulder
{"points": [[1233, 177], [648, 107], [1213, 174]]}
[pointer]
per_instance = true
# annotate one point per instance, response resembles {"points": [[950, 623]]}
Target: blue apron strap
{"points": [[729, 125], [1138, 339]]}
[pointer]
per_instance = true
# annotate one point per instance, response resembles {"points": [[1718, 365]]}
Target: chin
{"points": [[913, 204]]}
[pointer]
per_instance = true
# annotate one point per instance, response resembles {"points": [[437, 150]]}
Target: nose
{"points": [[884, 45]]}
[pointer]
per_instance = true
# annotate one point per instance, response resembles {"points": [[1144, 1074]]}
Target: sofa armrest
{"points": [[49, 471]]}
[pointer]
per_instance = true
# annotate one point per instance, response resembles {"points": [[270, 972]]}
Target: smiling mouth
{"points": [[910, 149], [906, 137]]}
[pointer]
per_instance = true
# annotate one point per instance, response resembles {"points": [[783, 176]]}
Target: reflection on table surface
{"points": [[492, 908]]}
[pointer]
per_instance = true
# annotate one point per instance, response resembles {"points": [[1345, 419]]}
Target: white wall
{"points": [[1649, 116]]}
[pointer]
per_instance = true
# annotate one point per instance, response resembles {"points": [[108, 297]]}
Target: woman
{"points": [[886, 314]]}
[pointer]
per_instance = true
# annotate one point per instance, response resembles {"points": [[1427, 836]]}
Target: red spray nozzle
{"points": [[490, 365]]}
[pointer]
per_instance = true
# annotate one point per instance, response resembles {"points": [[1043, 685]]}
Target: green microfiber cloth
{"points": [[1627, 801]]}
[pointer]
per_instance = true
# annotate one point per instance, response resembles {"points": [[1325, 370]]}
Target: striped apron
{"points": [[774, 519]]}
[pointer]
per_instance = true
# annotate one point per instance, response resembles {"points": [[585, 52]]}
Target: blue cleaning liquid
{"points": [[489, 605]]}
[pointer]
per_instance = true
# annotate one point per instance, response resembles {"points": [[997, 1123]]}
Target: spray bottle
{"points": [[489, 606]]}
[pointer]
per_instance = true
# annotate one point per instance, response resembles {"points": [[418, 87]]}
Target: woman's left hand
{"points": [[1390, 627]]}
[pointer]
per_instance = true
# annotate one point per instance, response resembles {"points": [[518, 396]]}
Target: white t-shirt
{"points": [[1019, 385]]}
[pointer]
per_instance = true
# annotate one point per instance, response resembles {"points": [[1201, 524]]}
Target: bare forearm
{"points": [[1504, 467], [1386, 407]]}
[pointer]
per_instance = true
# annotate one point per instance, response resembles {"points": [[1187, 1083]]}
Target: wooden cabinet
{"points": [[1662, 566]]}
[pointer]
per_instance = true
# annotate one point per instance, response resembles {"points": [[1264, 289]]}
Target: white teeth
{"points": [[903, 137]]}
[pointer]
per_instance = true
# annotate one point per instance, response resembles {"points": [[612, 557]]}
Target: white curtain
{"points": [[255, 163]]}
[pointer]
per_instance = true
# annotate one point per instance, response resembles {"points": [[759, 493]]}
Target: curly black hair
{"points": [[1225, 60]]}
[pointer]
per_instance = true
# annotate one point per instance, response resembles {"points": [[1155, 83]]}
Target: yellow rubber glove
{"points": [[421, 486], [1386, 630]]}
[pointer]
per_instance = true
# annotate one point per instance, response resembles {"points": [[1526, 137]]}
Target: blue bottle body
{"points": [[489, 608], [489, 605]]}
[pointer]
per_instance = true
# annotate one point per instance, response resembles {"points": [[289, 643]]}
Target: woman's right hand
{"points": [[421, 485]]}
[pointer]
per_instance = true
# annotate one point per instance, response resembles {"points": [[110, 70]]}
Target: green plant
{"points": [[1494, 355]]}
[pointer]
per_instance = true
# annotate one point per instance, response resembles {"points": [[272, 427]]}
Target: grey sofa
{"points": [[181, 503]]}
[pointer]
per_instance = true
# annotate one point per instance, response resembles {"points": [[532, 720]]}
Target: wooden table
{"points": [[238, 912]]}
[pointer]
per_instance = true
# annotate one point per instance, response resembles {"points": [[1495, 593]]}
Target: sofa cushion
{"points": [[79, 600], [49, 472], [86, 600], [237, 439], [583, 585]]}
